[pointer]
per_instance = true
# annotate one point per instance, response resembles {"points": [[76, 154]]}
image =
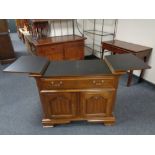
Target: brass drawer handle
{"points": [[56, 84], [98, 83]]}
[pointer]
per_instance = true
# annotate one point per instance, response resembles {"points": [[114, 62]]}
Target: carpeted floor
{"points": [[20, 109]]}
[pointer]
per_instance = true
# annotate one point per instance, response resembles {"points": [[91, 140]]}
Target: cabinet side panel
{"points": [[74, 50]]}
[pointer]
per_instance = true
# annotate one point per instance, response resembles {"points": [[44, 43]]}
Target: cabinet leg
{"points": [[102, 54], [48, 126], [109, 123], [47, 123]]}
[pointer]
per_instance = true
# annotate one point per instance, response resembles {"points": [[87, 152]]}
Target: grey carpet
{"points": [[20, 109]]}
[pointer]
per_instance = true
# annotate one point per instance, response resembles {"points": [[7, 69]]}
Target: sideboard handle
{"points": [[98, 83], [56, 84]]}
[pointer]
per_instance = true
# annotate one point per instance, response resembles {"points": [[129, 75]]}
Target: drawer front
{"points": [[49, 84], [114, 49], [51, 48]]}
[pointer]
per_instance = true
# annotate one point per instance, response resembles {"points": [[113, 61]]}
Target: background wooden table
{"points": [[121, 47]]}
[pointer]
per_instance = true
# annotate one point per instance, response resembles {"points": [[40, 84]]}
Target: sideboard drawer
{"points": [[85, 83]]}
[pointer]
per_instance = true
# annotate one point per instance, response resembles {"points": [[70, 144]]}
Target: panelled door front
{"points": [[59, 105], [96, 104]]}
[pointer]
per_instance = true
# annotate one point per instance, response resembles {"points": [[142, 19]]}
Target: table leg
{"points": [[23, 39], [129, 78], [102, 53], [141, 76], [142, 71]]}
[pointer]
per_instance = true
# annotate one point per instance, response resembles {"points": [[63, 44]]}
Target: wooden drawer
{"points": [[51, 48], [114, 49], [83, 83]]}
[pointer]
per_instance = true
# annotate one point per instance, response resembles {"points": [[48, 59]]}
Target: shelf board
{"points": [[91, 46], [97, 32]]}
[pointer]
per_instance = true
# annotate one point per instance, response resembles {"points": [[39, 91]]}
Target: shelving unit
{"points": [[48, 27], [38, 28], [66, 27], [97, 32]]}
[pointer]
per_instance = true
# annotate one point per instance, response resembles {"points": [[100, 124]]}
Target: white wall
{"points": [[140, 31]]}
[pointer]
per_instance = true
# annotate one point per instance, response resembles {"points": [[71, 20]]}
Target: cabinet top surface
{"points": [[77, 68], [126, 45], [28, 64], [54, 40], [113, 64]]}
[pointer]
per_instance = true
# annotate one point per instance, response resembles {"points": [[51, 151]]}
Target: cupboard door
{"points": [[74, 50], [59, 105], [52, 52], [96, 104]]}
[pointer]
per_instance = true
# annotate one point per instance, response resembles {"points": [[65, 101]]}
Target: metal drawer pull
{"points": [[56, 84], [98, 83]]}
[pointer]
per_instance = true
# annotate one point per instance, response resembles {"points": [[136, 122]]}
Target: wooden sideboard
{"points": [[7, 54], [69, 47], [77, 90], [121, 47]]}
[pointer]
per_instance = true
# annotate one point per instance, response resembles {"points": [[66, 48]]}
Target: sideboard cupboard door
{"points": [[97, 104], [74, 50], [59, 105], [52, 52]]}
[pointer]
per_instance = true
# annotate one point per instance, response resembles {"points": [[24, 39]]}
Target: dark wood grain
{"points": [[134, 48], [54, 40], [68, 47], [3, 25], [77, 90], [65, 99], [7, 54]]}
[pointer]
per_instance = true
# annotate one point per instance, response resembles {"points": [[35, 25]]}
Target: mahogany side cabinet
{"points": [[77, 90], [67, 47]]}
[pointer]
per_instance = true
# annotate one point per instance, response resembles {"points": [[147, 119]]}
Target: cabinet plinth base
{"points": [[48, 126], [52, 122], [107, 121]]}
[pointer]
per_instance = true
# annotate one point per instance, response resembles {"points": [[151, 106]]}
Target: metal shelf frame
{"points": [[60, 21], [96, 32], [52, 26]]}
